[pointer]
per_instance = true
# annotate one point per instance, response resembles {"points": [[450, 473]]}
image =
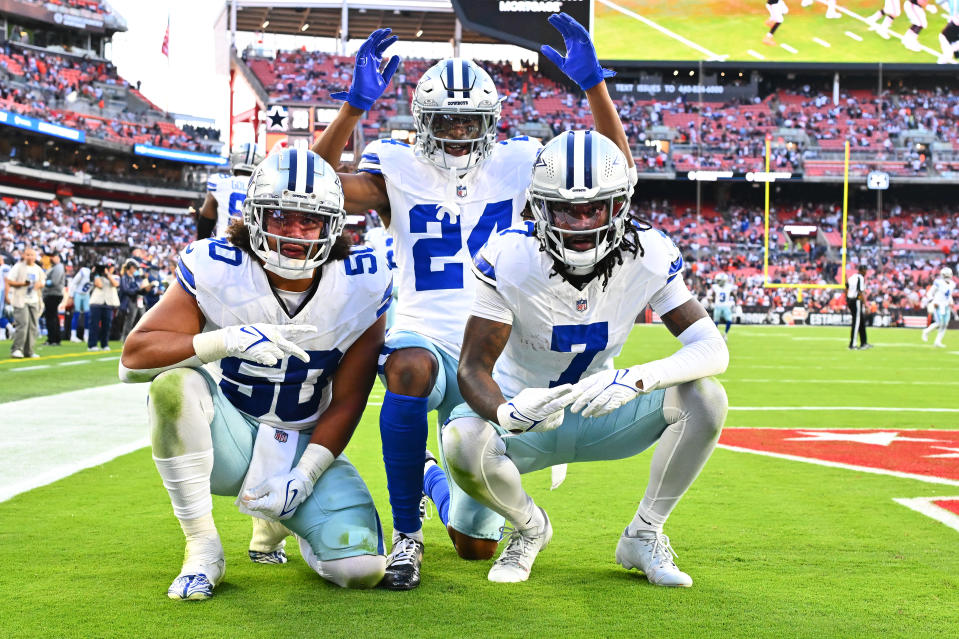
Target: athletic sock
{"points": [[437, 488], [641, 523], [403, 430]]}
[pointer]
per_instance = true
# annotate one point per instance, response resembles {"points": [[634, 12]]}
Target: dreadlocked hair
{"points": [[629, 244], [239, 235]]}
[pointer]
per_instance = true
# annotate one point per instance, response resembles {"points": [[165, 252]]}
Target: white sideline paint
{"points": [[864, 469], [925, 506], [881, 409], [672, 34], [44, 439]]}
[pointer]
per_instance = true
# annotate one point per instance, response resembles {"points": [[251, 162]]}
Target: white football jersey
{"points": [[229, 191], [438, 223], [561, 334], [941, 291], [382, 242], [723, 296], [231, 289]]}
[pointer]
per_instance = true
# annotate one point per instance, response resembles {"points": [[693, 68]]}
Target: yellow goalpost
{"points": [[845, 203]]}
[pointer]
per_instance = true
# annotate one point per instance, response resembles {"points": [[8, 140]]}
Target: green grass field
{"points": [[777, 548], [733, 28]]}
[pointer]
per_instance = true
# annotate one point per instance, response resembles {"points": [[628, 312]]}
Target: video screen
{"points": [[827, 31]]}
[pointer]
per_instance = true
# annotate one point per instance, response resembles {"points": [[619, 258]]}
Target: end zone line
{"points": [[924, 506], [649, 23], [864, 469]]}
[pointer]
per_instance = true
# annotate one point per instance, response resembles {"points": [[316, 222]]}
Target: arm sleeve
{"points": [[703, 353], [670, 296], [489, 304], [204, 227]]}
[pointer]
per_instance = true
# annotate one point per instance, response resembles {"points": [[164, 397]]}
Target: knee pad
{"points": [[706, 398], [466, 441], [360, 572], [180, 411]]}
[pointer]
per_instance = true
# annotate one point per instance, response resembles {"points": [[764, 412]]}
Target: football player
{"points": [[556, 301], [261, 362], [882, 19], [777, 14], [916, 11], [949, 37], [225, 193], [832, 12], [722, 298], [939, 297], [380, 240], [442, 198]]}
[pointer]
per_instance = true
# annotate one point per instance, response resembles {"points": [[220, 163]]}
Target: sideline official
{"points": [[856, 300]]}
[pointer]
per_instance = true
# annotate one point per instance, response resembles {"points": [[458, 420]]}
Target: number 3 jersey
{"points": [[231, 289], [229, 191], [723, 295], [561, 334], [439, 222]]}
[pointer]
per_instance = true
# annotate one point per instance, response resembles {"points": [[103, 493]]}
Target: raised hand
{"points": [[580, 63], [368, 83]]}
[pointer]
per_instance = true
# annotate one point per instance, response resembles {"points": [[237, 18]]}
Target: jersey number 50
{"points": [[496, 215]]}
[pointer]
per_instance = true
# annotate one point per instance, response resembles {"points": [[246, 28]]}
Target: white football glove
{"points": [[261, 343], [536, 409], [603, 392], [280, 495]]}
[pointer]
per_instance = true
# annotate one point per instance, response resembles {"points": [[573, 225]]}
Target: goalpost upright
{"points": [[845, 207]]}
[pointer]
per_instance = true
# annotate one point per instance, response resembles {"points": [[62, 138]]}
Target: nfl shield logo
{"points": [[281, 436], [460, 190], [581, 305]]}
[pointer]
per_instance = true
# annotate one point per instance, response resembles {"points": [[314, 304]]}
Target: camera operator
{"points": [[104, 301]]}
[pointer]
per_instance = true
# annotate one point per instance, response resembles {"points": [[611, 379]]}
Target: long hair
{"points": [[629, 244], [239, 236]]}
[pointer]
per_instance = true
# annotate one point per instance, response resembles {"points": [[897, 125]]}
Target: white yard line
{"points": [[755, 54], [885, 382], [28, 368], [44, 439], [789, 48], [854, 36], [672, 34], [898, 36], [925, 506], [821, 42], [830, 464]]}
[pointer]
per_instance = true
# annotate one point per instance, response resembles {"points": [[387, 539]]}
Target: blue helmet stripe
{"points": [[449, 79], [466, 79], [570, 171], [588, 166], [291, 179], [309, 172]]}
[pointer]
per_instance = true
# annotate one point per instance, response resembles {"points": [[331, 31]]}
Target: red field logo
{"points": [[926, 455]]}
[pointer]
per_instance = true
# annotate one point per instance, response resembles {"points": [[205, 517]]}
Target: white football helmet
{"points": [[244, 158], [721, 278], [294, 185], [946, 272], [579, 196], [455, 94]]}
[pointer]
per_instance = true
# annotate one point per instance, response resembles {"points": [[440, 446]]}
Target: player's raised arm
{"points": [[582, 66], [206, 218]]}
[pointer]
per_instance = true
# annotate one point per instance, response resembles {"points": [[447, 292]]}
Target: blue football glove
{"points": [[368, 83], [580, 63]]}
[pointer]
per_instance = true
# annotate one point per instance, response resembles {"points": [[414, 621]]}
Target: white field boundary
{"points": [[672, 34]]}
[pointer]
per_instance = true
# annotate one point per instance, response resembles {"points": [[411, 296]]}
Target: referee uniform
{"points": [[855, 299]]}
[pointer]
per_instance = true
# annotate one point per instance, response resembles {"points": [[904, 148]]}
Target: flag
{"points": [[165, 47]]}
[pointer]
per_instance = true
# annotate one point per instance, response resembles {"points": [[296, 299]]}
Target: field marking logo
{"points": [[945, 510]]}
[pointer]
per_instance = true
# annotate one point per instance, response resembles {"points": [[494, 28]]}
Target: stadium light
{"points": [[305, 26], [419, 33], [266, 23]]}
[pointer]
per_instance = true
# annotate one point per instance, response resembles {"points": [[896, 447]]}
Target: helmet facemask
{"points": [[580, 233], [455, 109], [302, 231]]}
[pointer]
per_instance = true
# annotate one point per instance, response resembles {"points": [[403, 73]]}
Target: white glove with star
{"points": [[535, 409], [280, 495], [603, 392], [261, 343]]}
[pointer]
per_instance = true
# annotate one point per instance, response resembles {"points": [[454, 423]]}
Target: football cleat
{"points": [[865, 347], [938, 344], [203, 568], [516, 561], [269, 539], [769, 40], [651, 553], [403, 564]]}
